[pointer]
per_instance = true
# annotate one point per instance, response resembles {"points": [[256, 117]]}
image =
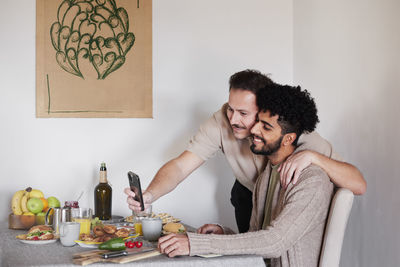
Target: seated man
{"points": [[287, 223]]}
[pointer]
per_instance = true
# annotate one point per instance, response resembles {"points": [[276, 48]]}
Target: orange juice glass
{"points": [[85, 225], [84, 217], [138, 228]]}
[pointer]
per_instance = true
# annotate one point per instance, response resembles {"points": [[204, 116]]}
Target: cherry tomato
{"points": [[35, 238], [138, 244], [129, 244]]}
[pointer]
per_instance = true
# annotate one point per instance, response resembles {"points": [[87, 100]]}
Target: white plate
{"points": [[87, 244], [38, 242]]}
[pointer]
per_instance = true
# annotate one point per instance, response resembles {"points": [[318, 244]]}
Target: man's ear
{"points": [[289, 138]]}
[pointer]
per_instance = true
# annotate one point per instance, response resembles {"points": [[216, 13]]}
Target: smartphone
{"points": [[134, 183]]}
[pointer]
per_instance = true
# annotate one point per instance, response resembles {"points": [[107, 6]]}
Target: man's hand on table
{"points": [[210, 229], [135, 205], [174, 245]]}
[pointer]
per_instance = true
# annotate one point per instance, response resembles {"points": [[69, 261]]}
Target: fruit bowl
{"points": [[24, 222]]}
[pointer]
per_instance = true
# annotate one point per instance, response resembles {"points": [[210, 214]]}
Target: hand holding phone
{"points": [[134, 183]]}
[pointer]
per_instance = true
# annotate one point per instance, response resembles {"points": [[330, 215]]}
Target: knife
{"points": [[122, 253], [114, 254]]}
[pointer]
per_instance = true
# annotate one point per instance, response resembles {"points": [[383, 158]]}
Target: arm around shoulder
{"points": [[342, 174]]}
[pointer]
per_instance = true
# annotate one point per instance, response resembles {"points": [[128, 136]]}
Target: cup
{"points": [[143, 214], [151, 228], [138, 216], [84, 217], [69, 232]]}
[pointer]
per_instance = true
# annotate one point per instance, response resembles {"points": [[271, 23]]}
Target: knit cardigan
{"points": [[294, 237]]}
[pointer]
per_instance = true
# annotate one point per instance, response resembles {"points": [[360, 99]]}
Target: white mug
{"points": [[69, 232], [151, 228]]}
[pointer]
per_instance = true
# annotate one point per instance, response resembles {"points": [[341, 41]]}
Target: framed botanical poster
{"points": [[94, 58]]}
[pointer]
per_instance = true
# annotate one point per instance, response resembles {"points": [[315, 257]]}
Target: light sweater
{"points": [[294, 237]]}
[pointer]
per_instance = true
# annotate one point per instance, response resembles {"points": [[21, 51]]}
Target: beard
{"points": [[267, 149]]}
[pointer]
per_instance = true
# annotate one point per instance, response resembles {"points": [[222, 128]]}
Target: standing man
{"points": [[287, 223], [228, 130]]}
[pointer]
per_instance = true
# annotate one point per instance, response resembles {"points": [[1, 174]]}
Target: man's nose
{"points": [[235, 118], [255, 129]]}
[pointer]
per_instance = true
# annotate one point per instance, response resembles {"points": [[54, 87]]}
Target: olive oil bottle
{"points": [[103, 196]]}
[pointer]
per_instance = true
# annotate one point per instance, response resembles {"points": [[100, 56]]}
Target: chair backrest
{"points": [[335, 228]]}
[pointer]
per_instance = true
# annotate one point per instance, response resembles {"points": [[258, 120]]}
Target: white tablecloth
{"points": [[14, 253]]}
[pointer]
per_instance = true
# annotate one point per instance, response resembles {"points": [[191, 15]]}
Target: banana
{"points": [[16, 202], [35, 193], [24, 200]]}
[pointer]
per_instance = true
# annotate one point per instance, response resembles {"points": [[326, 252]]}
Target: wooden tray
{"points": [[93, 256]]}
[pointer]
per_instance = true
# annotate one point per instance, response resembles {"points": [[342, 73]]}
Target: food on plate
{"points": [[38, 232], [104, 233], [129, 218], [123, 232], [165, 217], [176, 228], [98, 230], [86, 237], [96, 221], [109, 229]]}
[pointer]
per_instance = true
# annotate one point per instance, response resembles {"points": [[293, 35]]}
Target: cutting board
{"points": [[93, 256]]}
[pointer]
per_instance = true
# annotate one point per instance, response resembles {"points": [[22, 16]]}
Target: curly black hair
{"points": [[296, 108], [250, 80]]}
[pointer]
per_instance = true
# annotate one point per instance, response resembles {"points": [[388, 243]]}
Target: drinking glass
{"points": [[151, 228], [138, 216], [84, 217]]}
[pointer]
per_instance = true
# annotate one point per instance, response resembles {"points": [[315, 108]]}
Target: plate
{"points": [[88, 244], [114, 219], [38, 242]]}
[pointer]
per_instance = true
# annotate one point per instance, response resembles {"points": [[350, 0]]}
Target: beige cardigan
{"points": [[295, 235]]}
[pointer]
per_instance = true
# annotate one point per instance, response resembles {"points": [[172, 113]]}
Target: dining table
{"points": [[14, 253]]}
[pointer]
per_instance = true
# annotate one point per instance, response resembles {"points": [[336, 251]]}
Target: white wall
{"points": [[347, 54], [197, 45]]}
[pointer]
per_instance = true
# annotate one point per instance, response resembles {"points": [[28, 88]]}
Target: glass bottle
{"points": [[103, 196]]}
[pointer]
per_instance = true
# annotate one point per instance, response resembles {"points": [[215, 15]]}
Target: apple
{"points": [[34, 205], [53, 202]]}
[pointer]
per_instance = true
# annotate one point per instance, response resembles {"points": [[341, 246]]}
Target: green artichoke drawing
{"points": [[94, 30]]}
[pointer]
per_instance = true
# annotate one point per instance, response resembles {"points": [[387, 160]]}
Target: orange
{"points": [[45, 203]]}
